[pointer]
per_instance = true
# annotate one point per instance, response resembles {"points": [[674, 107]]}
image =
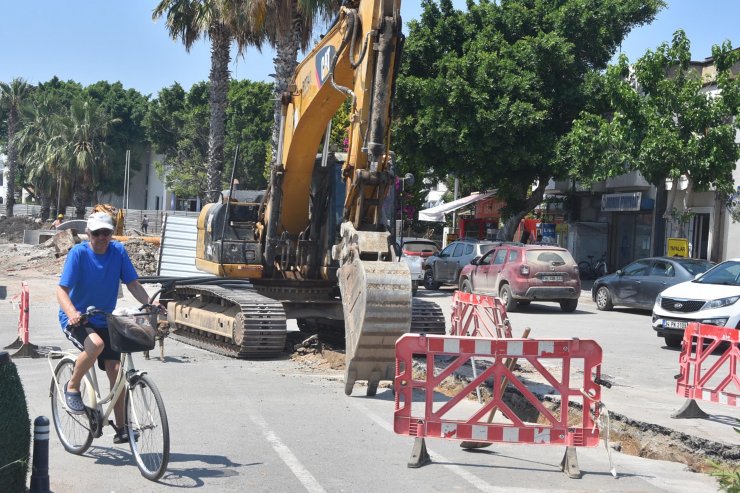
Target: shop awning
{"points": [[437, 213]]}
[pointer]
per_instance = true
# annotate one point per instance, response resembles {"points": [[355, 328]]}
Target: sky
{"points": [[88, 41]]}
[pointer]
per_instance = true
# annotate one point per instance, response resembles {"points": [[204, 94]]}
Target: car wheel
{"points": [[429, 282], [604, 299], [673, 341], [466, 287], [506, 298], [569, 305]]}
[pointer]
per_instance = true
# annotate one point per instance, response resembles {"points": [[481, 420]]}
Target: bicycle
{"points": [[145, 416], [588, 269]]}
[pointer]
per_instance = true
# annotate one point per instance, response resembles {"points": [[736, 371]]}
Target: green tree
{"points": [[659, 119], [221, 21], [12, 98], [177, 126], [130, 107], [249, 124], [488, 94]]}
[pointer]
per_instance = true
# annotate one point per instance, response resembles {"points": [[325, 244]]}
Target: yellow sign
{"points": [[678, 247], [451, 237], [561, 227]]}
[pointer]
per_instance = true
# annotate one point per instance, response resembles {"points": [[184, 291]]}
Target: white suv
{"points": [[711, 298]]}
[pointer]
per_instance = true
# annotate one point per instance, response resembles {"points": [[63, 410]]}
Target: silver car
{"points": [[445, 267]]}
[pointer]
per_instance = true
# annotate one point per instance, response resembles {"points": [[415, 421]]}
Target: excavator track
{"points": [[427, 317], [231, 321]]}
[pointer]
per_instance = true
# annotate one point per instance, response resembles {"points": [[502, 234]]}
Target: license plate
{"points": [[674, 324], [552, 278]]}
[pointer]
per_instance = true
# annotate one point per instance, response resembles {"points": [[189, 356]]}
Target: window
{"points": [[468, 249], [549, 257], [639, 268], [486, 259], [458, 250], [500, 257], [448, 251], [513, 255], [726, 273], [662, 269]]}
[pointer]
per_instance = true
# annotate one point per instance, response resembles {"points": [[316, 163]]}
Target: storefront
{"points": [[630, 227]]}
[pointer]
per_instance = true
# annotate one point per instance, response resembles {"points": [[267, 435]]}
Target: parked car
{"points": [[520, 274], [711, 298], [414, 251], [639, 283], [445, 266]]}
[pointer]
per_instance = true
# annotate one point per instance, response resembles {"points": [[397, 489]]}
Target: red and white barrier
{"points": [[22, 342], [479, 315], [705, 376], [453, 419]]}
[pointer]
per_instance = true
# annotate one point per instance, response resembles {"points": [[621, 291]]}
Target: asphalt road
{"points": [[277, 425]]}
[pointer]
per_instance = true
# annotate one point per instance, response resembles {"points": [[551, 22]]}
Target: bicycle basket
{"points": [[131, 333]]}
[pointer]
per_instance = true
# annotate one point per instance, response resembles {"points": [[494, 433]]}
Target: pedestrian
{"points": [[144, 224], [57, 221], [91, 276]]}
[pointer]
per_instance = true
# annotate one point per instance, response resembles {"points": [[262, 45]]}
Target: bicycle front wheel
{"points": [[73, 430], [148, 431]]}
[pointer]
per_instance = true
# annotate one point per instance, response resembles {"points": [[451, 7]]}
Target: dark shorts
{"points": [[79, 333]]}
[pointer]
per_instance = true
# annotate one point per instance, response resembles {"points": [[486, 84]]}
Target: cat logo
{"points": [[323, 64]]}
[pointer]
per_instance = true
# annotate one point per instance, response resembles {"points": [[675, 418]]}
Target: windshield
{"points": [[695, 266], [726, 274]]}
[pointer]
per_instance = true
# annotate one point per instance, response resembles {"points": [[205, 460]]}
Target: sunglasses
{"points": [[101, 232]]}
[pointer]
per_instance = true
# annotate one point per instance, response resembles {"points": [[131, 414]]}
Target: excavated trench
{"points": [[626, 435]]}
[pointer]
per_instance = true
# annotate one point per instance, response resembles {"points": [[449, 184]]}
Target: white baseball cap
{"points": [[99, 220]]}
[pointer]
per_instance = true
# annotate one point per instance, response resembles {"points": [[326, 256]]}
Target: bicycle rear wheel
{"points": [[73, 430], [149, 433]]}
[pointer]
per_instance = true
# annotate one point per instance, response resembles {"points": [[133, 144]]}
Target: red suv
{"points": [[519, 274]]}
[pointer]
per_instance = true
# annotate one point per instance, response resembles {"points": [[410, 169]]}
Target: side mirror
{"points": [[619, 272], [475, 261]]}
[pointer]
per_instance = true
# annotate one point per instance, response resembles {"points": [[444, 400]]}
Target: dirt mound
{"points": [[11, 228], [143, 255]]}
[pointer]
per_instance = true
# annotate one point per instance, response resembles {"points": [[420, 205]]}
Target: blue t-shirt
{"points": [[93, 279]]}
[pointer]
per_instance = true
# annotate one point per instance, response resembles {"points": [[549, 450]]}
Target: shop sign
{"points": [[678, 247], [621, 202], [561, 228]]}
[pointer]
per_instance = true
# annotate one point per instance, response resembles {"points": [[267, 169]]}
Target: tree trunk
{"points": [[286, 49], [218, 99], [12, 163], [45, 205], [80, 199], [512, 222]]}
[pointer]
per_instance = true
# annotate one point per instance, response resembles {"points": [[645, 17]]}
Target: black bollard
{"points": [[40, 472]]}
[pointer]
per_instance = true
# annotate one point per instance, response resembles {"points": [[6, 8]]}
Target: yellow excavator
{"points": [[319, 245]]}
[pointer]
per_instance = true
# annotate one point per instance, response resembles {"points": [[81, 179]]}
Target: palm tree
{"points": [[38, 145], [288, 26], [221, 21], [84, 154], [12, 98]]}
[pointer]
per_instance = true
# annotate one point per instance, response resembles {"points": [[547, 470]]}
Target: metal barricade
{"points": [[478, 315], [575, 382], [704, 377]]}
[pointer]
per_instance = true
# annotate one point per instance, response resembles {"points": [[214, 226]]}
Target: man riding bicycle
{"points": [[91, 277]]}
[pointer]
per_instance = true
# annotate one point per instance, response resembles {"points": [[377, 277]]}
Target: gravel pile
{"points": [[143, 255], [11, 229]]}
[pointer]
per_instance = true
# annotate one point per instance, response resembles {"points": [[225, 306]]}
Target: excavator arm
{"points": [[355, 60]]}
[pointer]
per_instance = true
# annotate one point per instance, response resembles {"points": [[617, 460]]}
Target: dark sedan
{"points": [[639, 283]]}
